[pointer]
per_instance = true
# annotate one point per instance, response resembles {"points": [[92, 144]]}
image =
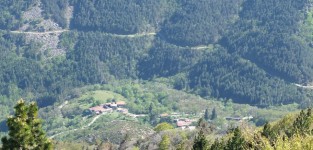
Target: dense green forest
{"points": [[56, 10], [271, 40], [253, 59], [248, 52], [223, 75], [11, 13], [200, 22], [119, 16]]}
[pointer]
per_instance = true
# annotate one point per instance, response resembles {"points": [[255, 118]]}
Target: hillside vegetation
{"points": [[249, 52], [268, 50]]}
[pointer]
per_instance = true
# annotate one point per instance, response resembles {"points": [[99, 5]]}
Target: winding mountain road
{"points": [[93, 121], [200, 47], [304, 86], [39, 33], [111, 34], [132, 35], [136, 35]]}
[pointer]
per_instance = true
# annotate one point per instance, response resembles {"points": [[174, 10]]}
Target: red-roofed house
{"points": [[100, 109], [121, 104], [183, 123]]}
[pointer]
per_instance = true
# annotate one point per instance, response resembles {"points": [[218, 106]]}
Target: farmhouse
{"points": [[109, 107], [100, 109], [183, 122]]}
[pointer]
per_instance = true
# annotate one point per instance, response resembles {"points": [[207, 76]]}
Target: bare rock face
{"points": [[69, 15], [49, 44], [44, 31]]}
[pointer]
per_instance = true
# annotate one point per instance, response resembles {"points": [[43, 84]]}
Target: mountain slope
{"points": [[249, 51]]}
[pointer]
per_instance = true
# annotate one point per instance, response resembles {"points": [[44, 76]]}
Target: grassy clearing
{"points": [[91, 98]]}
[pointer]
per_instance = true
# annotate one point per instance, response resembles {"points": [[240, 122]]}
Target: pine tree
{"points": [[151, 108], [204, 126], [200, 142], [266, 130], [217, 145], [237, 142], [303, 122], [214, 114], [25, 130], [268, 133], [206, 114]]}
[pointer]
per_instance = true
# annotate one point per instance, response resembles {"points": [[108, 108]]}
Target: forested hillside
{"points": [[200, 22], [268, 34], [11, 13], [121, 17], [257, 49], [247, 51]]}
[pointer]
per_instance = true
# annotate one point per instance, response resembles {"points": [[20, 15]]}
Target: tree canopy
{"points": [[25, 129]]}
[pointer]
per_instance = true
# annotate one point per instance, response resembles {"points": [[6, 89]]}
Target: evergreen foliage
{"points": [[206, 115], [238, 65], [254, 51], [269, 38], [120, 17], [267, 131], [56, 10], [213, 114], [200, 22], [165, 60], [165, 143], [237, 142], [25, 129], [200, 142], [11, 13], [274, 136], [217, 145], [221, 74], [303, 123]]}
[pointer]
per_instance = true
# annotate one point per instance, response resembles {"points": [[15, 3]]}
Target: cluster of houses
{"points": [[188, 124], [110, 107], [119, 106], [181, 123]]}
